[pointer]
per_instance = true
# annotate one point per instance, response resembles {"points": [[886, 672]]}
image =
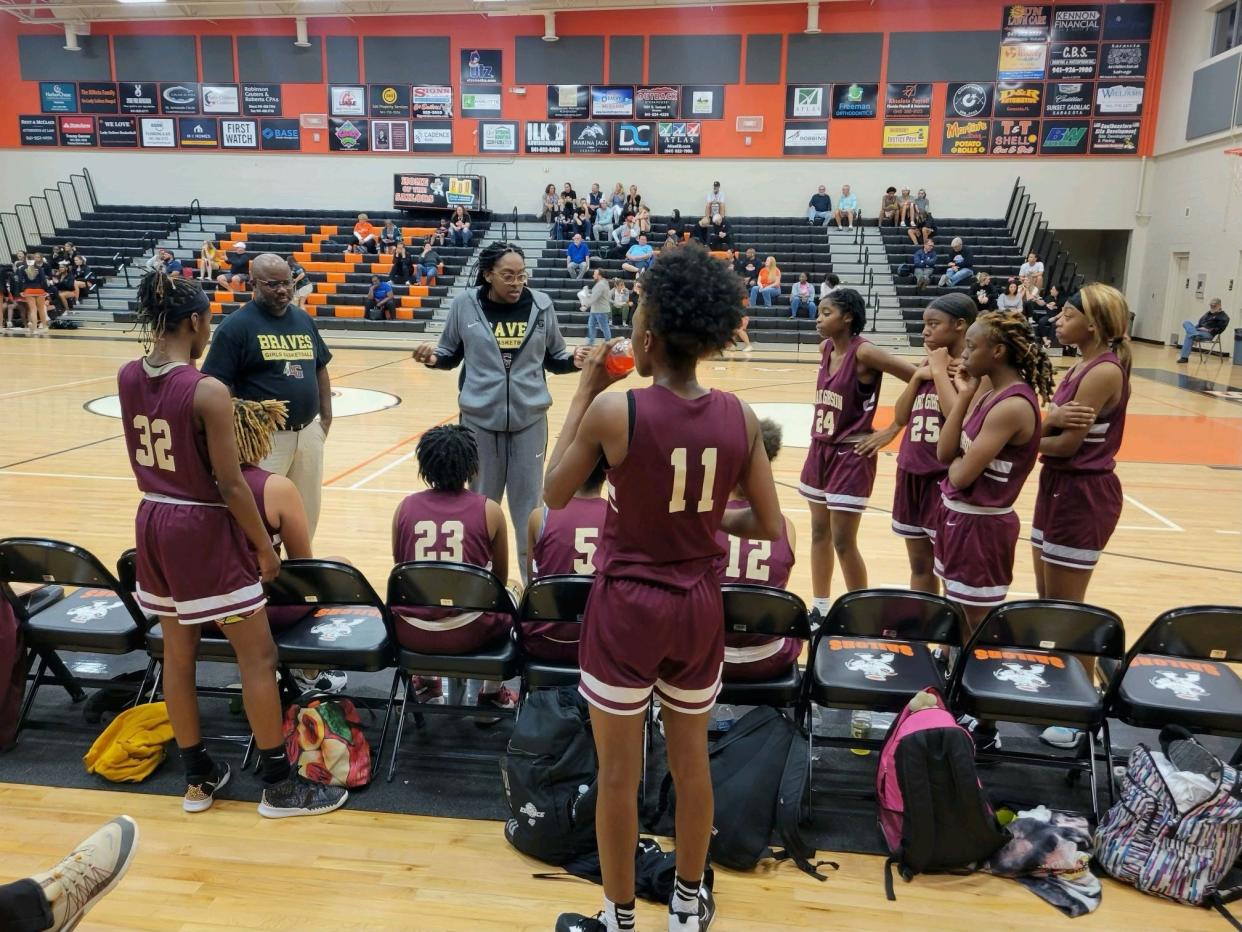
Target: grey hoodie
{"points": [[490, 396]]}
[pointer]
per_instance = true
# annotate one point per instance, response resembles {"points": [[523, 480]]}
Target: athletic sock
{"points": [[274, 765], [619, 917], [199, 766], [821, 605], [685, 897]]}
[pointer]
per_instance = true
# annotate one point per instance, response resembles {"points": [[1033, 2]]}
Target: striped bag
{"points": [[1147, 841]]}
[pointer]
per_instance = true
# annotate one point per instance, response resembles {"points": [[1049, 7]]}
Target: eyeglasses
{"points": [[275, 284], [511, 278]]}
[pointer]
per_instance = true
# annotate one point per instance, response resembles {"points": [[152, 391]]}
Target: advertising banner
{"points": [[411, 190], [590, 137], [480, 104], [806, 102], [1068, 100], [261, 99], [679, 138], [220, 98], [198, 132], [612, 101], [1123, 60], [1073, 60], [969, 100], [1018, 99], [37, 130], [348, 135], [498, 136], [905, 138], [431, 101], [239, 134], [77, 131], [1114, 137], [390, 136], [630, 137], [428, 136], [118, 132], [1119, 99], [389, 100], [1014, 137], [806, 139], [158, 133], [347, 100], [569, 101], [702, 102], [280, 135], [656, 102], [1065, 137], [908, 100], [965, 137], [854, 101], [98, 97], [179, 98], [481, 67], [1076, 22], [58, 97], [138, 97], [1022, 61], [1023, 23], [544, 138]]}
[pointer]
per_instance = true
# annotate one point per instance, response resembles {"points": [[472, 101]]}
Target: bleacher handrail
{"points": [[194, 205], [26, 235], [1024, 222], [77, 206], [50, 203], [90, 186]]}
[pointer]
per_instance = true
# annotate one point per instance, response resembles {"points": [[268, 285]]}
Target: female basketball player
{"points": [[654, 622], [179, 432], [839, 472]]}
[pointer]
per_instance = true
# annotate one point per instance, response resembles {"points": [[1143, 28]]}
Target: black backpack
{"points": [[759, 774], [549, 772]]}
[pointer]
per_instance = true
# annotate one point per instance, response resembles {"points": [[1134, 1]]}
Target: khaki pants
{"points": [[299, 455]]}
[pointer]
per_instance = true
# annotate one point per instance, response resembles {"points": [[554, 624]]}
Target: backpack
{"points": [[325, 743], [549, 772], [933, 812], [759, 778], [905, 270], [1145, 840], [655, 871]]}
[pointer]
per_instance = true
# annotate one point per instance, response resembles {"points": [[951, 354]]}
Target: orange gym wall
{"points": [[846, 139]]}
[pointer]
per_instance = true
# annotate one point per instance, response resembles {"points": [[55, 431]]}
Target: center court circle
{"points": [[346, 402]]}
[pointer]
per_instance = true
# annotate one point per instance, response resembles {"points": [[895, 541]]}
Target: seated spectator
{"points": [[605, 222], [905, 208], [961, 266], [639, 256], [577, 257], [1043, 311], [302, 285], [364, 234], [569, 192], [624, 236], [427, 264], [459, 227], [830, 284], [802, 295], [768, 285], [594, 300], [84, 276], [8, 290], [403, 265], [633, 200], [582, 219], [441, 235], [636, 297], [238, 275], [847, 208], [888, 207], [986, 293], [714, 202], [819, 207], [208, 260], [924, 262], [617, 200], [923, 226], [549, 204], [1210, 324], [595, 197], [389, 237], [747, 268], [563, 227], [381, 302], [643, 219], [1032, 271], [64, 290], [162, 260], [714, 231], [66, 252], [353, 249], [671, 240], [1030, 295], [619, 302], [1011, 298]]}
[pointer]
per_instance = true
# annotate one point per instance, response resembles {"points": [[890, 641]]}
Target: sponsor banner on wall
{"points": [[348, 135], [481, 67], [682, 138], [58, 97], [389, 100], [37, 130], [138, 97], [345, 100], [969, 100], [1123, 60], [908, 100], [1065, 137], [178, 98], [656, 101], [854, 101], [612, 101], [390, 136], [1022, 61], [261, 99], [118, 132], [1076, 22], [590, 137], [280, 135], [498, 136], [905, 138], [1113, 100], [1068, 100], [1073, 60], [806, 102], [158, 133], [1018, 99], [429, 136], [412, 190], [220, 98], [98, 97], [239, 134], [966, 137], [77, 131], [198, 132], [702, 102], [569, 101], [431, 101], [806, 138], [1115, 136], [1129, 20], [480, 104], [1023, 23], [630, 137], [1014, 137], [545, 138]]}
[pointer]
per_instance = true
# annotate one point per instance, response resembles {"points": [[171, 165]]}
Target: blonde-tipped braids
{"points": [[254, 423]]}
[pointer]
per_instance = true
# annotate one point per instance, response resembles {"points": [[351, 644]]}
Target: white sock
{"points": [[618, 918], [821, 605], [685, 897]]}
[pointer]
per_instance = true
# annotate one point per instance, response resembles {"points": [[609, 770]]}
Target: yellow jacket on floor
{"points": [[131, 747]]}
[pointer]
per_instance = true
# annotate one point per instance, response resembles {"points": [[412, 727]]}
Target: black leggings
{"points": [[24, 908]]}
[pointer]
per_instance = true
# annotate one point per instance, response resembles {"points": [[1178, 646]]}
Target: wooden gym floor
{"points": [[63, 474]]}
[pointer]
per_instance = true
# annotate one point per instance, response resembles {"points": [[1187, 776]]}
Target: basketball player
{"points": [[563, 542], [179, 433], [750, 657], [449, 522], [654, 621], [839, 472], [1079, 501]]}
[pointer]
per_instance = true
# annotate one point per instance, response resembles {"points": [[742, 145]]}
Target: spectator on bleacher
{"points": [[564, 221], [569, 192], [403, 264], [714, 201], [459, 226], [63, 288], [633, 200], [31, 284], [389, 238], [427, 264], [617, 200], [923, 226], [643, 220], [161, 260], [847, 208], [596, 304], [1030, 295], [551, 204], [924, 262], [582, 219], [747, 267], [1210, 324], [624, 236], [678, 227], [595, 197], [381, 302], [819, 207], [639, 256], [302, 285], [619, 302], [65, 252], [714, 232], [577, 257], [830, 284], [888, 207], [353, 249], [1043, 311], [8, 289], [238, 275], [441, 236], [802, 295], [364, 234], [670, 240], [84, 276], [1011, 298], [986, 293], [1032, 271], [208, 260], [905, 208], [605, 222], [961, 265], [768, 285]]}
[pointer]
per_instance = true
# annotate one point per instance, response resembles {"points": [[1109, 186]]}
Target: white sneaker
{"points": [[1061, 737], [322, 681], [97, 865], [748, 348]]}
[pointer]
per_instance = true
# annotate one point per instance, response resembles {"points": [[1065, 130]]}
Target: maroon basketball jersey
{"points": [[569, 537], [1001, 480], [448, 526], [167, 451], [844, 406], [685, 456], [1098, 452], [257, 478], [761, 562], [918, 443]]}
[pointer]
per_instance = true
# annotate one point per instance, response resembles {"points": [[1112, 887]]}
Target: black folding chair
{"points": [[462, 588], [100, 617], [1022, 665], [767, 612], [557, 600]]}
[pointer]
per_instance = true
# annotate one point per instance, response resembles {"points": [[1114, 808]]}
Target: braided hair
{"points": [[1010, 330], [254, 423], [164, 301], [849, 301], [448, 457], [492, 254]]}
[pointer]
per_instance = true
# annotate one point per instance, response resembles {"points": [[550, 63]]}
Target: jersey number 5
{"points": [[154, 443], [678, 500], [584, 545], [426, 533]]}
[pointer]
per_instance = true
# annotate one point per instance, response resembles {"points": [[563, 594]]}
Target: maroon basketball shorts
{"points": [[748, 658], [552, 642], [974, 551], [436, 631], [194, 563], [639, 638], [1075, 515], [916, 505], [835, 475]]}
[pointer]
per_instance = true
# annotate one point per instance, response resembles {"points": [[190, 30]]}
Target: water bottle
{"points": [[620, 358], [723, 717]]}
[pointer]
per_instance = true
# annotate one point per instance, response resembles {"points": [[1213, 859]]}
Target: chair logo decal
{"points": [[336, 629], [877, 667], [1028, 678], [1184, 686], [92, 611]]}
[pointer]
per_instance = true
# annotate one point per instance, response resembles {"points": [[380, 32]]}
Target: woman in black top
{"points": [[8, 289], [459, 226], [31, 285], [633, 201], [64, 290], [401, 265]]}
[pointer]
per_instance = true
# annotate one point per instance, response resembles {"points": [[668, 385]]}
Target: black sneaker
{"points": [[816, 618], [298, 797], [576, 922], [986, 740], [694, 922], [200, 796]]}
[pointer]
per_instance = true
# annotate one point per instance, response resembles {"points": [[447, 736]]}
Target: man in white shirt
{"points": [[714, 202], [1032, 271], [847, 208]]}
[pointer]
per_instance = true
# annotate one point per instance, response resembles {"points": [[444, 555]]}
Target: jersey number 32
{"points": [[154, 443]]}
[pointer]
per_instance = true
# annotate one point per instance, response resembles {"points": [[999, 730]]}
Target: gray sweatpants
{"points": [[511, 464]]}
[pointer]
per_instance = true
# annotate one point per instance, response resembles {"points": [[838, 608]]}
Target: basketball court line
{"points": [[392, 449], [49, 388], [1155, 514], [80, 446]]}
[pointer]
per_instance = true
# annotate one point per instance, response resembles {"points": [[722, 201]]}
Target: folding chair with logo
{"points": [[550, 614]]}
